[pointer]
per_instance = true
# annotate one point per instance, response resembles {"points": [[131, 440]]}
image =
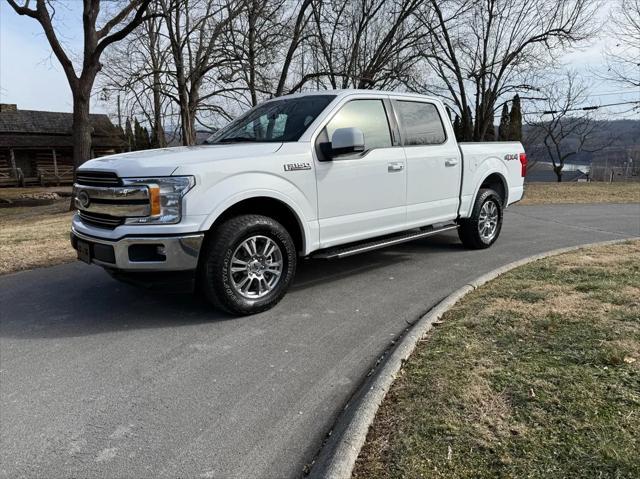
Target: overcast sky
{"points": [[32, 78]]}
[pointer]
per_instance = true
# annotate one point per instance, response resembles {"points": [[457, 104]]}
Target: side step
{"points": [[363, 247]]}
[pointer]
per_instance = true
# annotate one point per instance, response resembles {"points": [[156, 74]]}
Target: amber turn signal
{"points": [[154, 200]]}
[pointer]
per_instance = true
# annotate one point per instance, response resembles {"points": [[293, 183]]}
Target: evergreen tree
{"points": [[515, 121], [457, 128], [467, 129], [490, 135], [141, 136], [155, 140], [503, 129], [137, 134], [128, 136], [147, 139]]}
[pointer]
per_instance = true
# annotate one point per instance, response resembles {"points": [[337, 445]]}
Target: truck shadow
{"points": [[315, 272], [75, 300]]}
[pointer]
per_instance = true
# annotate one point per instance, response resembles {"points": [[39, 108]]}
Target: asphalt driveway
{"points": [[100, 379]]}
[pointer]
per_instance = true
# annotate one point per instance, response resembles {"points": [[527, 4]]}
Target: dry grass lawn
{"points": [[555, 193], [536, 374], [35, 236], [10, 193]]}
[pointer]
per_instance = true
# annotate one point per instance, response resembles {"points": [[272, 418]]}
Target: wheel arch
{"points": [[270, 206], [497, 182]]}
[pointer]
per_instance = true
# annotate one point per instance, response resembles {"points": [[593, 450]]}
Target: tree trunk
{"points": [[558, 171], [159, 137], [187, 120], [81, 134], [251, 54]]}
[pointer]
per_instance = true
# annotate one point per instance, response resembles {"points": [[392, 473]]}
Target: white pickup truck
{"points": [[325, 174]]}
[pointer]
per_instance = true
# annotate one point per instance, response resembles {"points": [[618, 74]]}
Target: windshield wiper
{"points": [[236, 139]]}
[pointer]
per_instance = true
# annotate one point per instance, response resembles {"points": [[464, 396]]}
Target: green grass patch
{"points": [[536, 374]]}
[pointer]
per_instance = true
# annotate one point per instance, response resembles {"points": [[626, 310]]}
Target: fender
{"points": [[234, 189], [474, 179]]}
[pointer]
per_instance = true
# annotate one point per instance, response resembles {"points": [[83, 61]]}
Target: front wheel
{"points": [[247, 264], [482, 229]]}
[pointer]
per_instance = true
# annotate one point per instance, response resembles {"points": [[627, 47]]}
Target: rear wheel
{"points": [[247, 264], [482, 229]]}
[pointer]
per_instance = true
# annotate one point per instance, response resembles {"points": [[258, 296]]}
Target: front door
{"points": [[361, 195]]}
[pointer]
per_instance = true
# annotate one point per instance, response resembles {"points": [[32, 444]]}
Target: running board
{"points": [[350, 250]]}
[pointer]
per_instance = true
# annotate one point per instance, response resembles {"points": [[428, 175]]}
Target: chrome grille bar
{"points": [[97, 178], [118, 202], [100, 221], [121, 193]]}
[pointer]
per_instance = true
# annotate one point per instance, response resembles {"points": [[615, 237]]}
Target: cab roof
{"points": [[341, 93]]}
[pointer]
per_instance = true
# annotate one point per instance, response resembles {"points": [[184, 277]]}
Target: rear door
{"points": [[434, 165], [361, 195]]}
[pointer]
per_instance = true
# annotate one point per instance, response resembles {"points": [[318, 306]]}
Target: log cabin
{"points": [[36, 146]]}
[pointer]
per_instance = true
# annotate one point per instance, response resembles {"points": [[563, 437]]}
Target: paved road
{"points": [[99, 379]]}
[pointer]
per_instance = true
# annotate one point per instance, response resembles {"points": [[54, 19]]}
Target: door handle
{"points": [[391, 167], [451, 162]]}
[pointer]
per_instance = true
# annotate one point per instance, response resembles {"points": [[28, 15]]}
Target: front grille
{"points": [[100, 221], [97, 178]]}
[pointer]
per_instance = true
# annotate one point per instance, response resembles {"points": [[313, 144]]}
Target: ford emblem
{"points": [[83, 199]]}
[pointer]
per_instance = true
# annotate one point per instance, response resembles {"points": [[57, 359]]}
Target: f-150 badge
{"points": [[297, 166]]}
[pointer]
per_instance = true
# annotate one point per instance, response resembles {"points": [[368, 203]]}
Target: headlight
{"points": [[165, 197]]}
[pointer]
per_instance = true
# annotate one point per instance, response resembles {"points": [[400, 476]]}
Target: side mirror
{"points": [[347, 140]]}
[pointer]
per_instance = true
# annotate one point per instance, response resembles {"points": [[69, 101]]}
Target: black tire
{"points": [[215, 278], [469, 230]]}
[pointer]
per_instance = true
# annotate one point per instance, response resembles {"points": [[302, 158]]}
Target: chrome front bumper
{"points": [[143, 253]]}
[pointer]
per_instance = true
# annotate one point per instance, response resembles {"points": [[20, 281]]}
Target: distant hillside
{"points": [[626, 139]]}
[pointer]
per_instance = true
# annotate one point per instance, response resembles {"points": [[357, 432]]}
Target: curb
{"points": [[338, 455]]}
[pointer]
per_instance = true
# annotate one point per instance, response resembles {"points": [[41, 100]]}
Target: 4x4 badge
{"points": [[297, 166]]}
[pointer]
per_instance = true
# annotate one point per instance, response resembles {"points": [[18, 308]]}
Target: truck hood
{"points": [[164, 161]]}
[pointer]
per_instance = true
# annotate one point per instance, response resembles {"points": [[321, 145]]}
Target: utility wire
{"points": [[584, 108], [625, 92]]}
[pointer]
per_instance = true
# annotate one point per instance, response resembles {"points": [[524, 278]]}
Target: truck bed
{"points": [[506, 158]]}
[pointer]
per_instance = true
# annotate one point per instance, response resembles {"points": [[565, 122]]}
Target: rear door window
{"points": [[420, 123]]}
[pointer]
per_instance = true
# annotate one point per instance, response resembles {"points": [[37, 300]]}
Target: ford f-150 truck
{"points": [[325, 174]]}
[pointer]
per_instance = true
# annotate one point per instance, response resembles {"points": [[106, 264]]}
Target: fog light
{"points": [[147, 252]]}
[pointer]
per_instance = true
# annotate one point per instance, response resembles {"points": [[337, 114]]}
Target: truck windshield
{"points": [[275, 121]]}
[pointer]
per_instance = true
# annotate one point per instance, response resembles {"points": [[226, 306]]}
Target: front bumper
{"points": [[143, 253]]}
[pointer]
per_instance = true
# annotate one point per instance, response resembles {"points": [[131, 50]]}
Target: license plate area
{"points": [[84, 251]]}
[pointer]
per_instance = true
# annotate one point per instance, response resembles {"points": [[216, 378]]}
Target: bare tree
{"points": [[564, 128], [96, 40], [158, 63], [623, 60], [482, 50], [206, 58], [363, 43], [297, 34], [256, 42], [136, 69], [194, 29]]}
